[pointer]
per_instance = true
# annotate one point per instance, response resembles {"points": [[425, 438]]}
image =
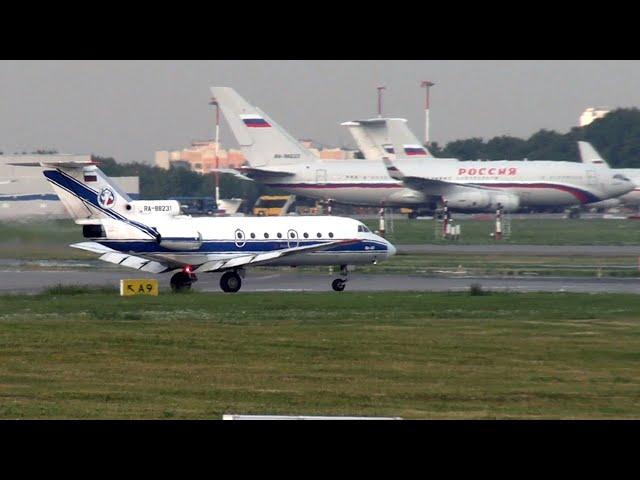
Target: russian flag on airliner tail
{"points": [[254, 121], [414, 150]]}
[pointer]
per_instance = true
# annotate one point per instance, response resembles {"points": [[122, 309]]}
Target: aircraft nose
{"points": [[391, 250]]}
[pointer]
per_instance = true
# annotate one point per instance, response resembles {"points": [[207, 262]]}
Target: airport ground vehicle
{"points": [[197, 205], [273, 205]]}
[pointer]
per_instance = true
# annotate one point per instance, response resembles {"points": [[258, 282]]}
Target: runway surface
{"points": [[287, 281]]}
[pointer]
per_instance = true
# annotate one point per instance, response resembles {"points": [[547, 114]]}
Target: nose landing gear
{"points": [[339, 284]]}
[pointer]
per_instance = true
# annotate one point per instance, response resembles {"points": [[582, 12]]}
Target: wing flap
{"points": [[112, 256]]}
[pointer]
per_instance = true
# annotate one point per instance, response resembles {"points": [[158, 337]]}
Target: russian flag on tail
{"points": [[414, 150], [254, 121]]}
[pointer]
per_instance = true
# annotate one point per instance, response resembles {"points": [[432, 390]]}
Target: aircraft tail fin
{"points": [[588, 154], [85, 191], [263, 141], [386, 137]]}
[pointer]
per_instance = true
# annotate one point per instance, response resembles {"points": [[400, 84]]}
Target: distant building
{"points": [[327, 153], [591, 114], [201, 156]]}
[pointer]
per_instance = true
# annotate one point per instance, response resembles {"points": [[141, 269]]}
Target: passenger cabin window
{"points": [[279, 235], [253, 235], [305, 235], [319, 235], [330, 234], [266, 235]]}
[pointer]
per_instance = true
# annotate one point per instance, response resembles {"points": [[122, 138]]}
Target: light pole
{"points": [[217, 173], [426, 84], [380, 89]]}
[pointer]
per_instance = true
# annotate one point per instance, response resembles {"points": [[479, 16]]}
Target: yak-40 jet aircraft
{"points": [[277, 160], [153, 236]]}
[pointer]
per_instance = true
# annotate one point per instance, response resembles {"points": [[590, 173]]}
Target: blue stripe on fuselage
{"points": [[222, 246]]}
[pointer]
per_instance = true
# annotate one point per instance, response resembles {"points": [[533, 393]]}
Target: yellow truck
{"points": [[273, 205]]}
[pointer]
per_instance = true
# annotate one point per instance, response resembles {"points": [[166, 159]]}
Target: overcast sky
{"points": [[130, 109]]}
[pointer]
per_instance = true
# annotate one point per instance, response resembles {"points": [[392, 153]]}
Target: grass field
{"points": [[77, 353], [473, 264], [527, 231]]}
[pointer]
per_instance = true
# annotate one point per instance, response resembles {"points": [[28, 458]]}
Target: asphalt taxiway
{"points": [[292, 281]]}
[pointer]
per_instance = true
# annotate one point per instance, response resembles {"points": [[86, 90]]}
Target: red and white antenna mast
{"points": [[217, 173]]}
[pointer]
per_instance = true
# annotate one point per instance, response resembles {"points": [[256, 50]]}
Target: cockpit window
{"points": [[363, 228], [619, 176]]}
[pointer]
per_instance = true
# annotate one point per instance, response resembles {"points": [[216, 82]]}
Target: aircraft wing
{"points": [[124, 259], [435, 187], [264, 258]]}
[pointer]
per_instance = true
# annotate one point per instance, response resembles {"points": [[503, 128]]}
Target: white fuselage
{"points": [[195, 241], [536, 183]]}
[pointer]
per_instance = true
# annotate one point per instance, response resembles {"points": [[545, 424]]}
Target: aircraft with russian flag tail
{"points": [[279, 161], [153, 236]]}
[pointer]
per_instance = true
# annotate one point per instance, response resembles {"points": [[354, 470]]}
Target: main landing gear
{"points": [[230, 282], [339, 283], [182, 281]]}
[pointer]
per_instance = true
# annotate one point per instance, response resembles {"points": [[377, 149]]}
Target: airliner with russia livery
{"points": [[277, 160], [153, 236]]}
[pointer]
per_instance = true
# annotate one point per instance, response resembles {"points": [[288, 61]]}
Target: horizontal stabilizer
{"points": [[264, 172], [112, 256], [55, 163], [94, 247]]}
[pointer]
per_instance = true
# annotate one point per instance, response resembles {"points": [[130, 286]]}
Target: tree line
{"points": [[616, 137], [158, 183]]}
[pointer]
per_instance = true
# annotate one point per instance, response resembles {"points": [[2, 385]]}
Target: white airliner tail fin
{"points": [[386, 137], [263, 141], [588, 154]]}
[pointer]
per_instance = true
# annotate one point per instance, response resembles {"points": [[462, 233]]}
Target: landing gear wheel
{"points": [[230, 282], [182, 281], [338, 284]]}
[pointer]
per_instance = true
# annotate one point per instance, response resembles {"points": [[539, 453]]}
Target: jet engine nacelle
{"points": [[509, 202], [170, 208], [469, 200], [179, 236]]}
